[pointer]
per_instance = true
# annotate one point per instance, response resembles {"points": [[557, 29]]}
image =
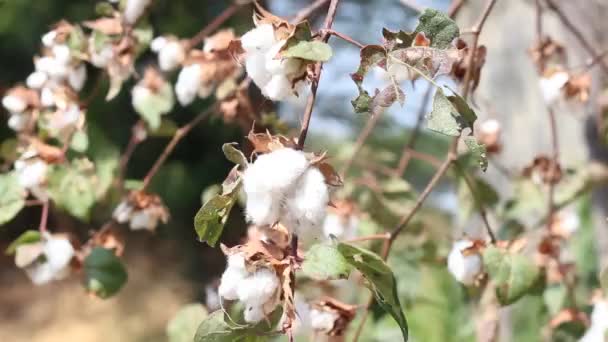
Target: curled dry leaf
{"points": [[266, 142], [578, 87], [49, 153], [344, 313], [543, 170]]}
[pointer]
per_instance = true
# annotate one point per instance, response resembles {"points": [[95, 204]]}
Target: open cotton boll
{"points": [[275, 171], [62, 54], [230, 282], [551, 86], [171, 55], [134, 9], [464, 268], [47, 97], [36, 80], [599, 323], [278, 88], [14, 104], [58, 252], [255, 66], [306, 205], [31, 172], [18, 122], [258, 288], [276, 65], [65, 118], [253, 314], [52, 66], [338, 226], [158, 43], [77, 76], [263, 208], [323, 320], [259, 38], [48, 39], [102, 57], [122, 212], [188, 84], [143, 219]]}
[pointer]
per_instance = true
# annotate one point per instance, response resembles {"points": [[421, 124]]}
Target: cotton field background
{"points": [[303, 170]]}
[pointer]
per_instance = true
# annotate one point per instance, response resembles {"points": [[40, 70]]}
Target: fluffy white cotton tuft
{"points": [[77, 76], [599, 323], [171, 55], [36, 80], [134, 9], [263, 208], [231, 280], [31, 172], [284, 66], [258, 39], [490, 127], [188, 84], [143, 219], [278, 88], [322, 320], [55, 265], [464, 268], [14, 104], [306, 205], [255, 66], [258, 288], [158, 43], [48, 39], [122, 212], [102, 57], [18, 122], [62, 54], [59, 252], [275, 171], [340, 227], [551, 86], [253, 314]]}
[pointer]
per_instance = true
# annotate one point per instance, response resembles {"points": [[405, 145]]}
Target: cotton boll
{"points": [[62, 54], [14, 103], [47, 97], [253, 314], [188, 84], [18, 122], [333, 225], [140, 95], [490, 127], [65, 118], [275, 171], [262, 208], [143, 219], [278, 88], [77, 76], [40, 274], [122, 212], [102, 57], [236, 262], [171, 55], [276, 65], [134, 9], [322, 320], [48, 39], [230, 282], [255, 66], [31, 172], [464, 268], [51, 66], [306, 205], [36, 80], [259, 38], [258, 287], [58, 252], [599, 323], [158, 43], [551, 86]]}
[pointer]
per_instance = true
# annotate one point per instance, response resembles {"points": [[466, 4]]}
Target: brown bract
{"points": [[49, 153], [547, 52], [220, 41], [345, 313], [62, 30], [215, 66], [462, 65], [578, 87], [543, 169]]}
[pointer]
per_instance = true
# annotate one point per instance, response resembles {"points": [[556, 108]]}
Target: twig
{"points": [[539, 33], [179, 135], [578, 34], [135, 140], [384, 236], [329, 20], [216, 23], [307, 11], [44, 217], [553, 166], [344, 37]]}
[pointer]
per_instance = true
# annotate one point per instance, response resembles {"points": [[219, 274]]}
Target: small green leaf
{"points": [[27, 237], [184, 324], [313, 51], [234, 154], [438, 27], [210, 219], [12, 197], [478, 151], [324, 262], [166, 129], [77, 41], [104, 273], [381, 280], [515, 275], [73, 190], [80, 141], [104, 9], [153, 106], [450, 114], [215, 329]]}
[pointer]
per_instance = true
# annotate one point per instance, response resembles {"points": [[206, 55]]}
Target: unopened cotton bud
{"points": [[464, 268], [259, 38], [18, 122], [77, 76], [134, 9], [14, 104], [48, 39], [36, 80], [323, 320], [171, 55], [259, 287], [188, 84], [278, 88], [31, 172], [306, 206], [551, 86]]}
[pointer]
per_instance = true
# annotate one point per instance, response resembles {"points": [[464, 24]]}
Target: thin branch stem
{"points": [[539, 33], [216, 23], [412, 5], [553, 166], [135, 140], [329, 20], [577, 33], [344, 37], [384, 236], [307, 11], [179, 135], [455, 7], [44, 216]]}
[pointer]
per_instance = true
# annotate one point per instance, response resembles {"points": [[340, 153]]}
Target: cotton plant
{"points": [[23, 105], [46, 260], [141, 211]]}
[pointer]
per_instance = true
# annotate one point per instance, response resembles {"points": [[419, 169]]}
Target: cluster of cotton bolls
{"points": [[464, 263], [258, 290], [278, 78], [283, 186], [31, 172], [45, 260]]}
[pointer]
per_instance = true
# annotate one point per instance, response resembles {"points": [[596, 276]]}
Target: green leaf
{"points": [[184, 324], [77, 41], [210, 219], [437, 27], [104, 273], [370, 56], [381, 280], [604, 280], [151, 107], [324, 262], [72, 189], [12, 197], [515, 275], [27, 237], [80, 141], [166, 129], [104, 9], [215, 329], [234, 154], [313, 51], [478, 151], [450, 114]]}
